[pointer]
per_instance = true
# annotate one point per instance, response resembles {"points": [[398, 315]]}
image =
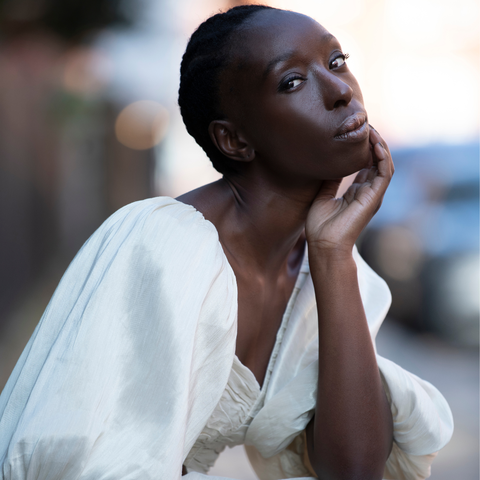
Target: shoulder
{"points": [[160, 215], [157, 237], [156, 224]]}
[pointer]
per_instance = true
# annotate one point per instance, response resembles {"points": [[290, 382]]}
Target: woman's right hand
{"points": [[334, 224]]}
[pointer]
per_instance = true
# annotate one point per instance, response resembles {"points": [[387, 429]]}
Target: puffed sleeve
{"points": [[422, 422], [130, 357]]}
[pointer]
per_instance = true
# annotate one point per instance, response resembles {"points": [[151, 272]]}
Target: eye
{"points": [[291, 83], [339, 61]]}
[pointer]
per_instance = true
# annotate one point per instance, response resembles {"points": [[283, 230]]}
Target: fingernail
{"points": [[381, 144], [371, 127]]}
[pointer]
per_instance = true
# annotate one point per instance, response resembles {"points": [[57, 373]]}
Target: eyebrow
{"points": [[287, 55], [280, 58]]}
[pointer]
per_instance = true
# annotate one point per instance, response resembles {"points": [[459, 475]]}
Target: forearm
{"points": [[351, 434]]}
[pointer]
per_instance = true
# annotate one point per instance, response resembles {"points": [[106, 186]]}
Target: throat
{"points": [[262, 303]]}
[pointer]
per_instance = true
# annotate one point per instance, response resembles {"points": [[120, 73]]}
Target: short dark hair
{"points": [[206, 56]]}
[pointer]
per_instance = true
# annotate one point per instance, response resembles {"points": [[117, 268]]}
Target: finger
{"points": [[350, 194], [375, 137], [361, 176], [385, 169], [385, 162], [372, 173], [380, 151]]}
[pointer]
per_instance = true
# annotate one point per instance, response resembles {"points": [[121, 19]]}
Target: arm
{"points": [[350, 436]]}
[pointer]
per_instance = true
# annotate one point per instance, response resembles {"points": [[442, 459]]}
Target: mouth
{"points": [[353, 129]]}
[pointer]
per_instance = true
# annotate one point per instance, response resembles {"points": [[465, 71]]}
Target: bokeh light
{"points": [[142, 124]]}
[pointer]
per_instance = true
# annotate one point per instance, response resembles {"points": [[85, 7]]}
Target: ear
{"points": [[228, 140]]}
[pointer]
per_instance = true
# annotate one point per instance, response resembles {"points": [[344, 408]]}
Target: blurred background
{"points": [[89, 123]]}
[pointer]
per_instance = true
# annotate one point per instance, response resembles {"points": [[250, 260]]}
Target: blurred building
{"points": [[62, 170]]}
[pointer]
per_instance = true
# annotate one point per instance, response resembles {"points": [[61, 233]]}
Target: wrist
{"points": [[332, 264], [330, 252]]}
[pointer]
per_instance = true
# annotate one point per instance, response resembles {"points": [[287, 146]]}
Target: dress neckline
{"points": [[304, 269], [281, 330]]}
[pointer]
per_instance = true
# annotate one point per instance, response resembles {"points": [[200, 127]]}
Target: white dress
{"points": [[132, 372]]}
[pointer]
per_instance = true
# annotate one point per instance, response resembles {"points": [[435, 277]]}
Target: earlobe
{"points": [[226, 138]]}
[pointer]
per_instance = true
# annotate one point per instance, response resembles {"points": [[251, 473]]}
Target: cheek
{"points": [[293, 141], [292, 124]]}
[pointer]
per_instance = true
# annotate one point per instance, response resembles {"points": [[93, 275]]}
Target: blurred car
{"points": [[425, 241]]}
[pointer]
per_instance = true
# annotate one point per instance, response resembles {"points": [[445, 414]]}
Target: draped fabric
{"points": [[133, 356]]}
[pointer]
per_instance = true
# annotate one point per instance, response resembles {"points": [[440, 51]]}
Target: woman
{"points": [[186, 325]]}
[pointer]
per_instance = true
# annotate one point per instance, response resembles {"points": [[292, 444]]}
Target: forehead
{"points": [[269, 34]]}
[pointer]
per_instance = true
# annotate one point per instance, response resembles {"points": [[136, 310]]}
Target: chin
{"points": [[364, 158], [360, 159]]}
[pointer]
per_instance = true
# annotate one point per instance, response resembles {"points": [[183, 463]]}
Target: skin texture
{"points": [[284, 98]]}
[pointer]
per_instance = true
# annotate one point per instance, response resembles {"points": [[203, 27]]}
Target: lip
{"points": [[353, 129]]}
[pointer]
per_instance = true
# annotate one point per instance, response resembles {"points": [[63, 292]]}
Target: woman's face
{"points": [[291, 94]]}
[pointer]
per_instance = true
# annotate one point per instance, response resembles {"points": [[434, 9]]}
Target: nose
{"points": [[335, 91]]}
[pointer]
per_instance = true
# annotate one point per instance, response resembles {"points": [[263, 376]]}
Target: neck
{"points": [[263, 223]]}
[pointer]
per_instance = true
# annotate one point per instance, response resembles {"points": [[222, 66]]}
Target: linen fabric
{"points": [[132, 367]]}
